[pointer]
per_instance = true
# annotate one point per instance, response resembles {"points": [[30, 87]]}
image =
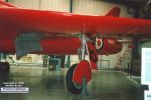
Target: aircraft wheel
{"points": [[71, 86], [4, 67]]}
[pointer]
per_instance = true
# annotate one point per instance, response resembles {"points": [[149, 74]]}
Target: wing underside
{"points": [[23, 20]]}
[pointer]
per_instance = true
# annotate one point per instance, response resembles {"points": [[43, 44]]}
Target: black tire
{"points": [[70, 84], [4, 67]]}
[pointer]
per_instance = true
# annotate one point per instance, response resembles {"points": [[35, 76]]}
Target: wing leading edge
{"points": [[23, 20]]}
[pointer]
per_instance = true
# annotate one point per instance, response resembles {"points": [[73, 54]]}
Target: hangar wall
{"points": [[94, 7], [97, 7], [32, 4], [53, 5]]}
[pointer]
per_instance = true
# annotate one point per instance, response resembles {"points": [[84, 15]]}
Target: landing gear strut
{"points": [[79, 72]]}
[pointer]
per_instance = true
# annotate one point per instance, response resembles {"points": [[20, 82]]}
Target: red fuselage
{"points": [[65, 45]]}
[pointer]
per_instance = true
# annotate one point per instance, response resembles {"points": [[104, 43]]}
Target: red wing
{"points": [[23, 20], [18, 21], [114, 12]]}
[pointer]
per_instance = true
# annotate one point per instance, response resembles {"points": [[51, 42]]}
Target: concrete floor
{"points": [[50, 85]]}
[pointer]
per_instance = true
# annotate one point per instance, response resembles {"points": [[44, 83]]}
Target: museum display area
{"points": [[75, 49]]}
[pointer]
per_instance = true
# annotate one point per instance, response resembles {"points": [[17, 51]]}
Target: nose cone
{"points": [[110, 46]]}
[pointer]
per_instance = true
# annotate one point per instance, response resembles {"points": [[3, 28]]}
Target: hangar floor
{"points": [[50, 85]]}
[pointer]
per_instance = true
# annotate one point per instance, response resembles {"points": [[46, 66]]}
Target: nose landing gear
{"points": [[79, 75]]}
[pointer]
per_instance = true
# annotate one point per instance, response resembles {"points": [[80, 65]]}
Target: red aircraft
{"points": [[24, 31]]}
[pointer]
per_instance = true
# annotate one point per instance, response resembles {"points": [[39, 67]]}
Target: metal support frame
{"points": [[2, 57], [39, 4], [68, 61], [83, 49], [135, 50], [71, 6], [129, 69], [84, 88]]}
